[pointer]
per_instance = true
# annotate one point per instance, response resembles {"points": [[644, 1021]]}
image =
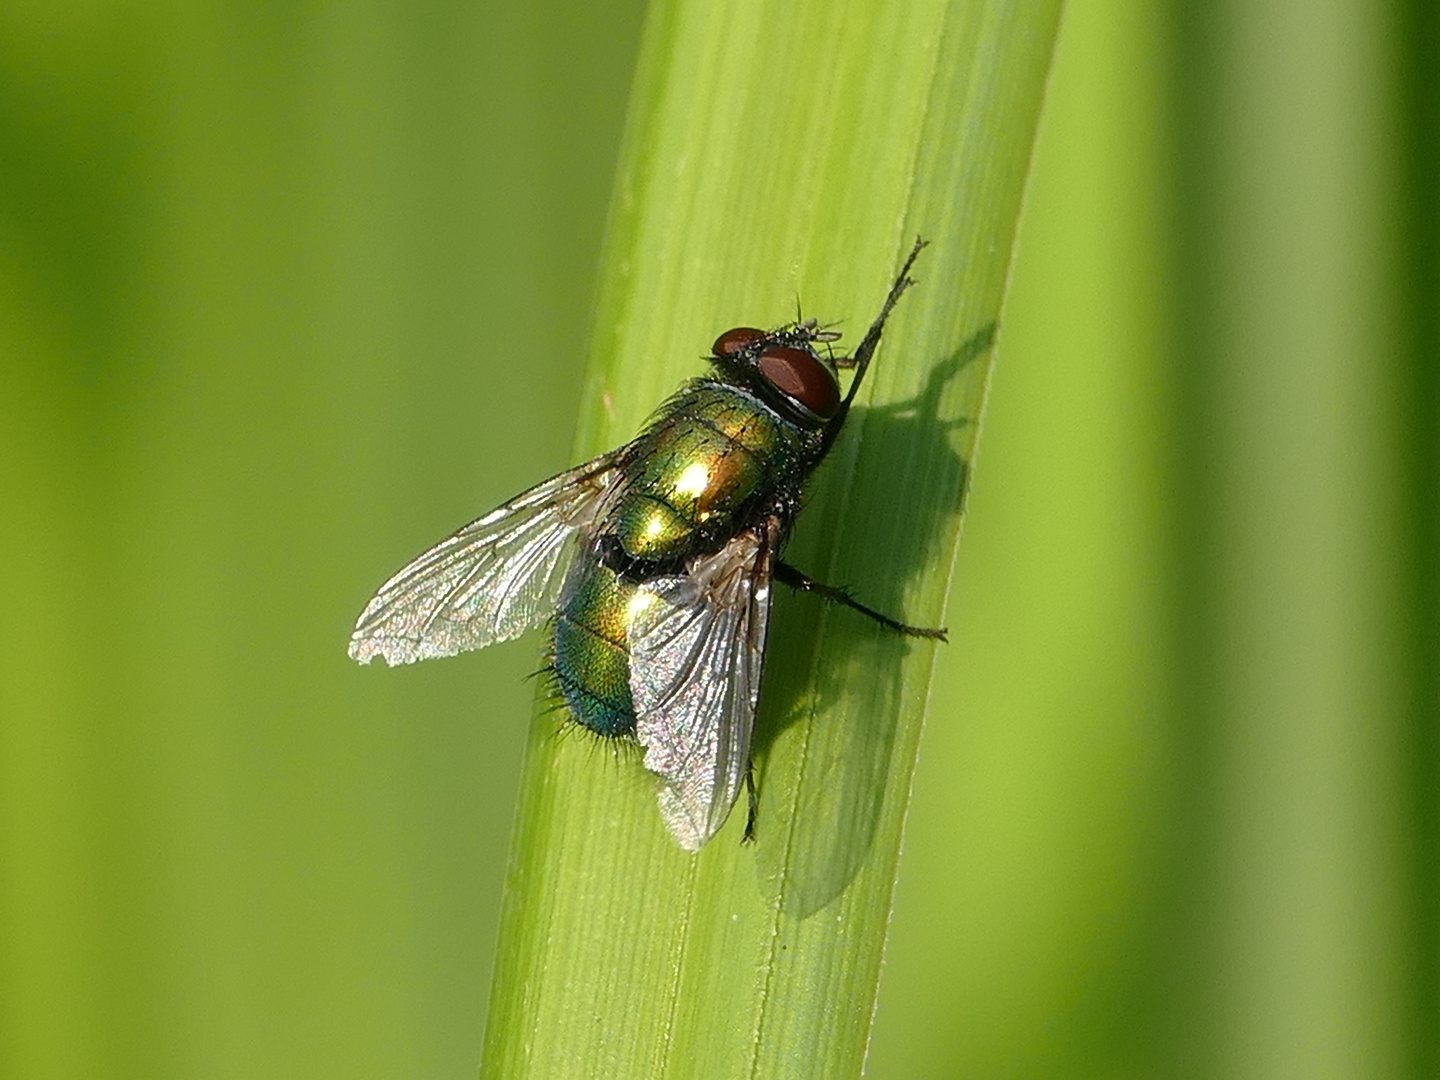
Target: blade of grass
{"points": [[779, 153]]}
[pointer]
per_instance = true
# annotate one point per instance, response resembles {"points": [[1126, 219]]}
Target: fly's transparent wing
{"points": [[492, 580], [697, 648]]}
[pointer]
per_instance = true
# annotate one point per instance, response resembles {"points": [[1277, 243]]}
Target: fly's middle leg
{"points": [[788, 575]]}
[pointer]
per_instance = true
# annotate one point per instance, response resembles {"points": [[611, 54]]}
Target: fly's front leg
{"points": [[788, 575], [861, 358]]}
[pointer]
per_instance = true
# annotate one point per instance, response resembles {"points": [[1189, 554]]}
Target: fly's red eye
{"points": [[803, 377], [733, 341]]}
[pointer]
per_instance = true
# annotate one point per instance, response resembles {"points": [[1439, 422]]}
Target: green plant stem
{"points": [[779, 153]]}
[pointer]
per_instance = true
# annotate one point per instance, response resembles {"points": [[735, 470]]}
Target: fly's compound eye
{"points": [[801, 376], [734, 341]]}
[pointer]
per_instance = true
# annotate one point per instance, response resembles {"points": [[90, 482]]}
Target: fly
{"points": [[655, 562]]}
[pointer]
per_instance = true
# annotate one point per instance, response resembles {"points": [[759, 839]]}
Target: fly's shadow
{"points": [[890, 536]]}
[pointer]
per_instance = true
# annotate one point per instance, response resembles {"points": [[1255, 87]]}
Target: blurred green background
{"points": [[289, 290]]}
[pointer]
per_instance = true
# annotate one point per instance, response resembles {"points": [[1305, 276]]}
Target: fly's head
{"points": [[784, 367]]}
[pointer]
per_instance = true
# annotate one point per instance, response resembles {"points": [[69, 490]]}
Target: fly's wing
{"points": [[697, 648], [492, 580]]}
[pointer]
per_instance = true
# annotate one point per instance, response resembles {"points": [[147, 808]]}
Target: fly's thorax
{"points": [[591, 647], [703, 469], [649, 530], [744, 418]]}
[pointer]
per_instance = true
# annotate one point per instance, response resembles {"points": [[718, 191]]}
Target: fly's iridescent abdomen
{"points": [[715, 461], [591, 656]]}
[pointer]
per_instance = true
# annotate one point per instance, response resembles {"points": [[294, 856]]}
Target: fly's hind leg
{"points": [[788, 575], [752, 803]]}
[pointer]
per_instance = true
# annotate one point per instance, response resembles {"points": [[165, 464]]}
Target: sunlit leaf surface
{"points": [[748, 186]]}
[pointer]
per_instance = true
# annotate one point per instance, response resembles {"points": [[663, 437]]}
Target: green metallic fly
{"points": [[656, 562]]}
